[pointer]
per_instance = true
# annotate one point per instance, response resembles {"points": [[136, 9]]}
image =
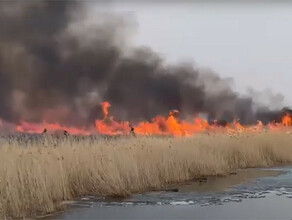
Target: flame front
{"points": [[159, 125], [286, 120], [26, 127], [108, 125]]}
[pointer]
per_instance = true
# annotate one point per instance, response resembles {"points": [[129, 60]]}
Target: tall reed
{"points": [[37, 173]]}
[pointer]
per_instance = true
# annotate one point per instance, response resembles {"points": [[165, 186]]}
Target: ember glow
{"points": [[159, 125], [26, 127]]}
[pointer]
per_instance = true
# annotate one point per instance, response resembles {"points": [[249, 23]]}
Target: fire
{"points": [[111, 127], [27, 127], [105, 107], [108, 125], [286, 120], [159, 125]]}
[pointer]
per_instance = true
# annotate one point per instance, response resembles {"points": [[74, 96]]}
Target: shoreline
{"points": [[203, 184], [37, 175]]}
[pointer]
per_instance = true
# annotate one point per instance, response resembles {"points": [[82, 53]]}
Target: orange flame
{"points": [[105, 106], [159, 125], [108, 125], [26, 127], [286, 120]]}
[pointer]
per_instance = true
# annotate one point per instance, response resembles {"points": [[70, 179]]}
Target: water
{"points": [[260, 198]]}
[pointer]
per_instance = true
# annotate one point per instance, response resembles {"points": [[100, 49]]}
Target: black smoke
{"points": [[54, 67]]}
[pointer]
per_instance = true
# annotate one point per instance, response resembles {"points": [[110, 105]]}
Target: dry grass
{"points": [[37, 173]]}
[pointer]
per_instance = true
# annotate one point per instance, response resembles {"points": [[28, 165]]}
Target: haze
{"points": [[249, 42]]}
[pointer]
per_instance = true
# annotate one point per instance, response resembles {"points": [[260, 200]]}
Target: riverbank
{"points": [[37, 174], [257, 193]]}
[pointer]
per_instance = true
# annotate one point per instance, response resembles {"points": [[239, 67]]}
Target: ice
{"points": [[182, 203]]}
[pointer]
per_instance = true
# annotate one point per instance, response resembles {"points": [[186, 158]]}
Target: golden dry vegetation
{"points": [[37, 173]]}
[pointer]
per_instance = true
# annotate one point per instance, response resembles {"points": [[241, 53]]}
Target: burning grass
{"points": [[38, 172], [160, 125]]}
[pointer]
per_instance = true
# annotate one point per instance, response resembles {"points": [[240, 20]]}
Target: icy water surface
{"points": [[258, 197]]}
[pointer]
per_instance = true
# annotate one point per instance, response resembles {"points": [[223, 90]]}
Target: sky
{"points": [[250, 42]]}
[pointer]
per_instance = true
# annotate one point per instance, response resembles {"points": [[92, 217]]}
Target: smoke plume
{"points": [[55, 67]]}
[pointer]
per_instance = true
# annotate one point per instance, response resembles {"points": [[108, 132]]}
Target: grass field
{"points": [[37, 173]]}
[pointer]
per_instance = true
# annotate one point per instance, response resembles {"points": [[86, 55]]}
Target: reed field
{"points": [[38, 172]]}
